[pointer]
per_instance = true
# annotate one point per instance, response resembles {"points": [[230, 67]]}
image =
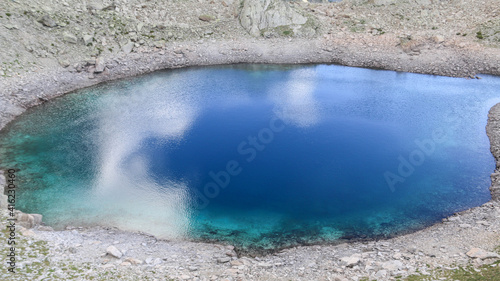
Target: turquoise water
{"points": [[262, 157]]}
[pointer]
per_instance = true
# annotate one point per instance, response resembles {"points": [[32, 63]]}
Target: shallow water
{"points": [[262, 157]]}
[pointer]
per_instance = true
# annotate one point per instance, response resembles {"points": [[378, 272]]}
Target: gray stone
{"points": [[438, 39], [381, 274], [350, 261], [10, 26], [140, 26], [127, 48], [481, 254], [271, 16], [113, 251], [223, 260], [392, 265], [47, 21], [133, 261], [265, 265], [423, 2], [206, 18], [99, 65], [383, 2], [29, 220], [3, 201], [159, 44], [87, 39], [70, 38]]}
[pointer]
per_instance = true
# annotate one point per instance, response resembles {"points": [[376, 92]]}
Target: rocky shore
{"points": [[50, 48]]}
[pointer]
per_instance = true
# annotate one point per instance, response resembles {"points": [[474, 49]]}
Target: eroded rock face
{"points": [[274, 18]]}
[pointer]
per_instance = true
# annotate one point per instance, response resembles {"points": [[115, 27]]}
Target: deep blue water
{"points": [[261, 157]]}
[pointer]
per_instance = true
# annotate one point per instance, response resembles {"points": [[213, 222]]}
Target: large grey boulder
{"points": [[275, 18], [28, 220]]}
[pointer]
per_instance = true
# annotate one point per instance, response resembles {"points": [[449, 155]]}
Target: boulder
{"points": [[127, 48], [99, 65], [481, 254], [47, 21], [133, 261], [274, 18], [29, 220], [350, 261], [87, 39], [382, 2], [70, 38], [393, 265], [113, 251], [438, 39], [206, 18]]}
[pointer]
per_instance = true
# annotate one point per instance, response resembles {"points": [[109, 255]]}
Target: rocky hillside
{"points": [[35, 35]]}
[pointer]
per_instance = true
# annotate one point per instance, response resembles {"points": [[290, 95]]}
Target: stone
{"points": [[125, 263], [272, 17], [423, 2], [10, 26], [157, 261], [393, 265], [99, 65], [140, 26], [185, 277], [107, 266], [87, 39], [381, 274], [464, 225], [382, 2], [206, 18], [127, 48], [350, 261], [159, 44], [110, 7], [482, 254], [70, 38], [265, 265], [133, 261], [236, 263], [223, 260], [47, 21], [29, 220], [113, 251], [438, 39], [3, 198], [192, 268]]}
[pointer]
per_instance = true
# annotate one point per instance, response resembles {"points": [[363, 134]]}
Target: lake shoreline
{"points": [[440, 246], [478, 226]]}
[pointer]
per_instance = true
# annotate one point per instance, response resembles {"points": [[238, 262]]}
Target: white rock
{"points": [[113, 251], [481, 254], [87, 39], [350, 261], [70, 38], [127, 48], [392, 265], [381, 274]]}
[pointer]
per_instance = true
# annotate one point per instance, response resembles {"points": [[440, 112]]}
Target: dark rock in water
{"points": [[47, 21]]}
